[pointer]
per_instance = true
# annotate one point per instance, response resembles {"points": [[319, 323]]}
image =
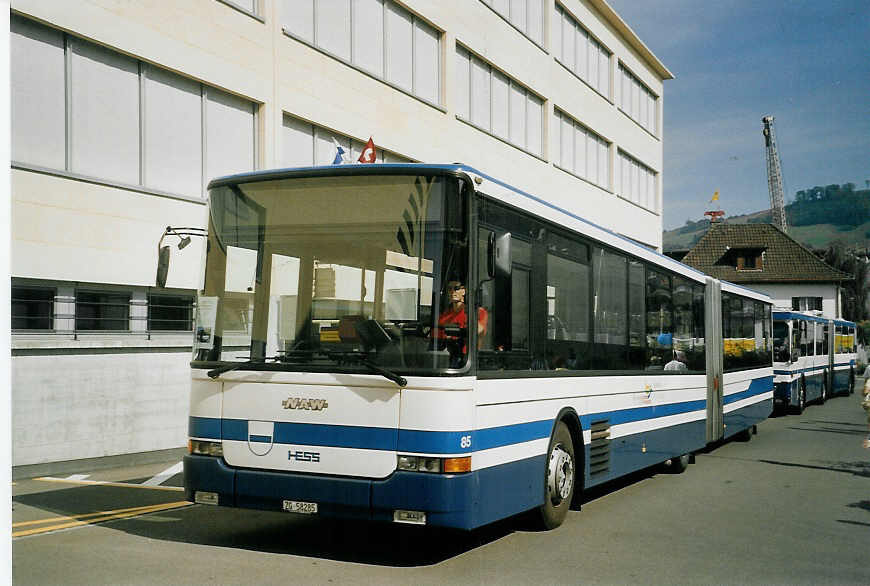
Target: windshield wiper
{"points": [[361, 359], [216, 372]]}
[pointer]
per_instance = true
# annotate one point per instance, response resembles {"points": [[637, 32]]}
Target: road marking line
{"points": [[103, 519], [80, 516], [106, 483], [165, 475], [77, 476]]}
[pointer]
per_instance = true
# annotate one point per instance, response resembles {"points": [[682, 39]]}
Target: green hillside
{"points": [[816, 218]]}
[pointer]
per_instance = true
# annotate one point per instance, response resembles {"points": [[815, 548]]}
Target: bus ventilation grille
{"points": [[599, 447]]}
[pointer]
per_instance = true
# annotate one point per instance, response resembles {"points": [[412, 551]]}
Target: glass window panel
{"points": [[518, 14], [556, 34], [170, 313], [635, 100], [534, 125], [518, 114], [659, 320], [611, 310], [229, 134], [603, 165], [637, 314], [569, 39], [102, 311], [480, 93], [368, 35], [535, 27], [520, 307], [635, 182], [592, 60], [297, 16], [604, 72], [566, 160], [651, 192], [332, 19], [591, 157], [643, 109], [463, 94], [580, 151], [400, 51], [297, 143], [581, 66], [173, 132], [427, 71], [38, 102], [500, 105], [105, 113], [32, 308]]}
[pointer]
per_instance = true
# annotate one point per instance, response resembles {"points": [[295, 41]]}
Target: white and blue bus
{"points": [[814, 358], [336, 370]]}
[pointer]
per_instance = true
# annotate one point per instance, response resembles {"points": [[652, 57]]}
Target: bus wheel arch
{"points": [[561, 473]]}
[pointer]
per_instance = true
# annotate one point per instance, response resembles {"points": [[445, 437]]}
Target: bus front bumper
{"points": [[445, 499]]}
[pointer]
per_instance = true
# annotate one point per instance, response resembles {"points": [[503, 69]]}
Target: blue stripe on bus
{"points": [[642, 413], [494, 437], [204, 427], [756, 387], [260, 439]]}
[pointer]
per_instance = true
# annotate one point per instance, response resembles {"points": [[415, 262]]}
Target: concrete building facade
{"points": [[123, 111]]}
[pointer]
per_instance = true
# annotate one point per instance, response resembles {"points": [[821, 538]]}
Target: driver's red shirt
{"points": [[451, 317]]}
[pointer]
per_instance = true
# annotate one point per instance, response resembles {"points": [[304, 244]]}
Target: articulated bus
{"points": [[337, 372], [814, 358]]}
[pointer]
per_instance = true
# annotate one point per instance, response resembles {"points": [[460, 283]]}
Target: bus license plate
{"points": [[300, 507]]}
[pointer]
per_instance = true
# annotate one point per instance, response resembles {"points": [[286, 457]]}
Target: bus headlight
{"points": [[434, 465], [204, 448]]}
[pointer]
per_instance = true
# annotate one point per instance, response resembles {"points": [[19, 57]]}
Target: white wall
{"points": [[782, 294], [73, 406]]}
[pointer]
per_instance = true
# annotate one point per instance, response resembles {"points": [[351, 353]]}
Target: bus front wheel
{"points": [[560, 479]]}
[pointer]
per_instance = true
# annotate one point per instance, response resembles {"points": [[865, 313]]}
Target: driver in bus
{"points": [[456, 315]]}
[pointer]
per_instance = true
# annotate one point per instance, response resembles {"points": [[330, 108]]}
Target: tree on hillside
{"points": [[854, 291]]}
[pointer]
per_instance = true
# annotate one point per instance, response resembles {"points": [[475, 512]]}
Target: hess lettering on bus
{"points": [[300, 456]]}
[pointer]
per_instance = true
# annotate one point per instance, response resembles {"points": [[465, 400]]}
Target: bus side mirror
{"points": [[162, 266], [499, 255]]}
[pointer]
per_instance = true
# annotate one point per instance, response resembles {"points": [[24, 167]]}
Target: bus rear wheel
{"points": [[823, 394], [851, 382], [802, 396], [560, 478]]}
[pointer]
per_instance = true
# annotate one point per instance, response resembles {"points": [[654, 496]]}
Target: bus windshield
{"points": [[338, 273]]}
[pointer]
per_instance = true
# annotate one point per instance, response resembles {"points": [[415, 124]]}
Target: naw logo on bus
{"points": [[302, 403]]}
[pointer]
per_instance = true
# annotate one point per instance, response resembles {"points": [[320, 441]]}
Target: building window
{"points": [[497, 104], [102, 311], [170, 313], [32, 308], [85, 109], [806, 303], [376, 36], [637, 101], [637, 182], [304, 144], [576, 49], [526, 15], [582, 152]]}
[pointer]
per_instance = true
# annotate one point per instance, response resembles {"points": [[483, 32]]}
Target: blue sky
{"points": [[805, 62]]}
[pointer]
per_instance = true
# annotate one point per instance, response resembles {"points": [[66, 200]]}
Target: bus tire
{"points": [[823, 393], [851, 388], [560, 478], [677, 465], [802, 396]]}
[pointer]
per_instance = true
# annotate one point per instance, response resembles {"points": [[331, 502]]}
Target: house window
{"points": [[100, 311], [170, 313], [32, 308], [806, 303]]}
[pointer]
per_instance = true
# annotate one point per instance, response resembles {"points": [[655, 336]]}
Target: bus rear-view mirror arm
{"points": [[183, 233]]}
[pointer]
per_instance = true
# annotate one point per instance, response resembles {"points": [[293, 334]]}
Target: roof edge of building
{"points": [[611, 16]]}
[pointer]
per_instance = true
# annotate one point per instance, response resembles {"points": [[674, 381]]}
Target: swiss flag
{"points": [[368, 153]]}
